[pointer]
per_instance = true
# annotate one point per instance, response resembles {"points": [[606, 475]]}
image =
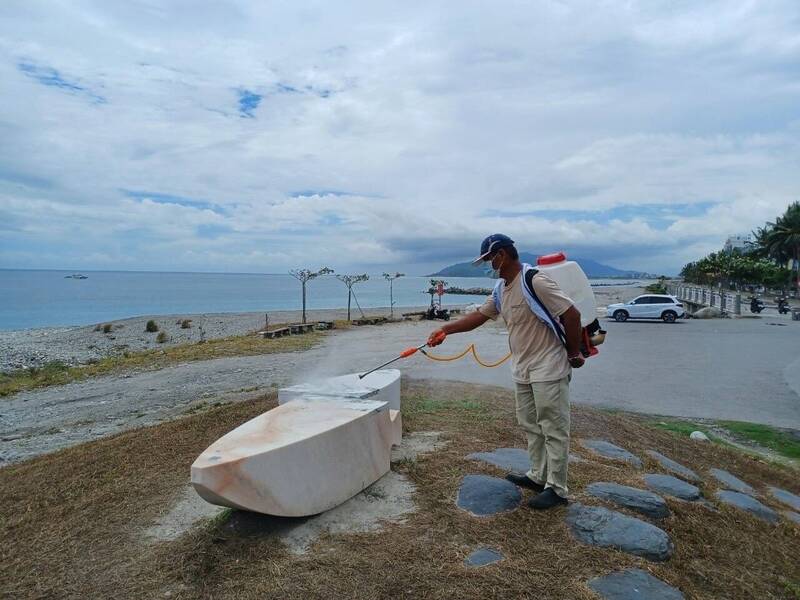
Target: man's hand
{"points": [[576, 362], [436, 338]]}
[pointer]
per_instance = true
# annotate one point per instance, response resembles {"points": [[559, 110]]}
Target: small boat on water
{"points": [[322, 445], [76, 276]]}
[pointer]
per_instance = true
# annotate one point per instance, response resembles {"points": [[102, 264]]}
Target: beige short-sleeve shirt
{"points": [[536, 352]]}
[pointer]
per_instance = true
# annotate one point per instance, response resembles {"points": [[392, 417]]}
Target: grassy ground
{"points": [[779, 441], [245, 345], [752, 435], [71, 524]]}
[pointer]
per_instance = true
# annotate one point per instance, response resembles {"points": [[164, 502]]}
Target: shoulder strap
{"points": [[556, 326]]}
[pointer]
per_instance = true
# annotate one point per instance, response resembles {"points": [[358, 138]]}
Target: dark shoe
{"points": [[547, 499], [524, 481]]}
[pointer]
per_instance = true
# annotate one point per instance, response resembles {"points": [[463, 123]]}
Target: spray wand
{"points": [[405, 354]]}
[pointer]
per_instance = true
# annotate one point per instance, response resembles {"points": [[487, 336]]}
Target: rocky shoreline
{"points": [[26, 348]]}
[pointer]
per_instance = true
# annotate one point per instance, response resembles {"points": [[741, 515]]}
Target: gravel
{"points": [[28, 348]]}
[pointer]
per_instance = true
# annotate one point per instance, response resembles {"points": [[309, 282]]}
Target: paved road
{"points": [[739, 369]]}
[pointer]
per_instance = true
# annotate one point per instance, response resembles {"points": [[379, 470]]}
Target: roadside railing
{"points": [[727, 302]]}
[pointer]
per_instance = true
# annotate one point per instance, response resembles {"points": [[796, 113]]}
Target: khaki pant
{"points": [[543, 412]]}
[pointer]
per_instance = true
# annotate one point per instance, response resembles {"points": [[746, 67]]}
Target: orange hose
{"points": [[470, 348]]}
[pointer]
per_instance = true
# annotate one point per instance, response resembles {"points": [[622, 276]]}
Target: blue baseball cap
{"points": [[491, 244]]}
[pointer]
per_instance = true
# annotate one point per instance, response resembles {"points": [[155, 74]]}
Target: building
{"points": [[737, 242]]}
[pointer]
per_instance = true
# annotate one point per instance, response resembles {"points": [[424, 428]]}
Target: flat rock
{"points": [[633, 584], [732, 482], [482, 557], [792, 516], [674, 467], [513, 459], [671, 486], [642, 501], [609, 450], [599, 526], [788, 498], [482, 495], [748, 504]]}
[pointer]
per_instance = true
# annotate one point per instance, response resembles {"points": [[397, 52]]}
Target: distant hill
{"points": [[592, 268]]}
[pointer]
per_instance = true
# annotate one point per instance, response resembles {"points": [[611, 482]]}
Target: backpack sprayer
{"points": [[572, 281]]}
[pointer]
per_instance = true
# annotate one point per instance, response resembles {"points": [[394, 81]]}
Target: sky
{"points": [[236, 136]]}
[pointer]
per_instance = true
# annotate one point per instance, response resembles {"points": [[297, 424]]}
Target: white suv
{"points": [[649, 306]]}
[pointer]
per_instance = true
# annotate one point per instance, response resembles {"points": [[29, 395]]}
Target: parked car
{"points": [[649, 306]]}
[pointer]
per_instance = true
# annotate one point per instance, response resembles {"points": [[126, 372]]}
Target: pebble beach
{"points": [[26, 348]]}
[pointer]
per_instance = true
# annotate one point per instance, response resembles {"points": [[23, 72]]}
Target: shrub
{"points": [[186, 324], [151, 326], [162, 337], [98, 327], [656, 288], [107, 328]]}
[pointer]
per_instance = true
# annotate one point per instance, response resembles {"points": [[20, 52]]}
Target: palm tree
{"points": [[783, 240]]}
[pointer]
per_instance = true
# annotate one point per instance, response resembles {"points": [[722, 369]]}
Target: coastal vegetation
{"points": [[659, 287], [151, 326], [162, 337], [59, 373], [771, 260]]}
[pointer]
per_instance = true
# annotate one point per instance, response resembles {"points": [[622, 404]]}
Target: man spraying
{"points": [[544, 335]]}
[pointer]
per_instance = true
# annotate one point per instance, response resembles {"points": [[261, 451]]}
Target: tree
{"points": [[782, 241], [390, 278], [304, 276], [350, 281]]}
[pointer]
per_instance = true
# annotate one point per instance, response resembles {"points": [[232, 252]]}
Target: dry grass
{"points": [[243, 345], [72, 521]]}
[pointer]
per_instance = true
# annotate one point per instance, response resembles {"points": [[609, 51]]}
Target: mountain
{"points": [[592, 268]]}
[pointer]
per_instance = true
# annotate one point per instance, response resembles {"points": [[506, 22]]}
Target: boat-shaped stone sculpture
{"points": [[323, 444]]}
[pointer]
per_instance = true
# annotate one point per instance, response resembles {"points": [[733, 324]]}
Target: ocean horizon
{"points": [[36, 298]]}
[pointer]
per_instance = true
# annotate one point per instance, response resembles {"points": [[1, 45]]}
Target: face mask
{"points": [[495, 274]]}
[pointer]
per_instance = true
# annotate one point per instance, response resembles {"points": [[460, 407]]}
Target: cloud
{"points": [[378, 138]]}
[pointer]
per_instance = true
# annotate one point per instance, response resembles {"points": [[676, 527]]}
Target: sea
{"points": [[39, 298]]}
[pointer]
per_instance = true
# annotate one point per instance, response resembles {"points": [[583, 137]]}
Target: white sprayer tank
{"points": [[572, 281]]}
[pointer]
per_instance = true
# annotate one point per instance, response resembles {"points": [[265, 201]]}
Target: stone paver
{"points": [[732, 482], [482, 495], [642, 501], [748, 504], [512, 459], [599, 526], [788, 498], [671, 486], [674, 467], [482, 557], [633, 584], [609, 450]]}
